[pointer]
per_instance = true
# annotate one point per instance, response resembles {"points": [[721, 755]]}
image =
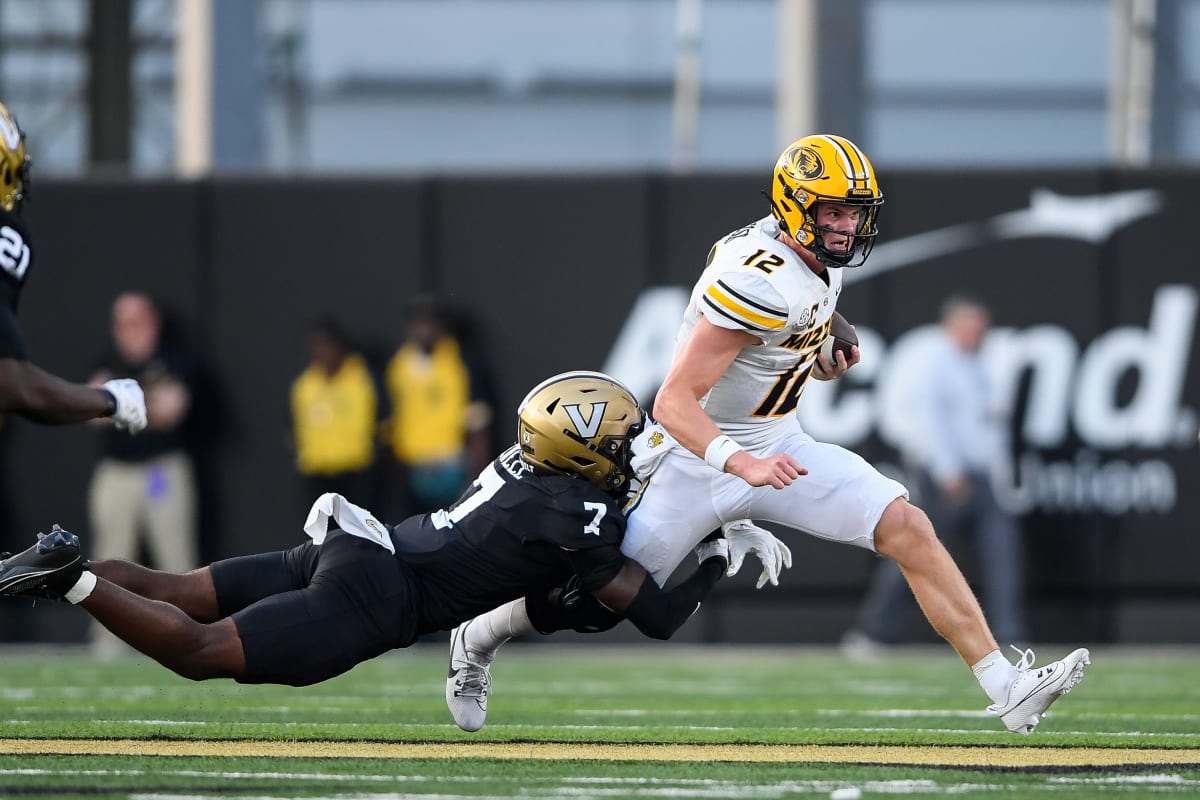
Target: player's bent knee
{"points": [[903, 530], [217, 653]]}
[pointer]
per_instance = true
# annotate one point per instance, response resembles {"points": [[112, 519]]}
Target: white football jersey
{"points": [[755, 283]]}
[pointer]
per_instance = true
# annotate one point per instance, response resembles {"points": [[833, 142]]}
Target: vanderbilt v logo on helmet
{"points": [[14, 162], [580, 423], [586, 428], [826, 169]]}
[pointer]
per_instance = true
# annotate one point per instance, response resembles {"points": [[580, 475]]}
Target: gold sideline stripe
{"points": [[821, 754]]}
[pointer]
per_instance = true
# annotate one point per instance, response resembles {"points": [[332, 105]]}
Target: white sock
{"points": [[995, 674], [489, 631], [82, 589]]}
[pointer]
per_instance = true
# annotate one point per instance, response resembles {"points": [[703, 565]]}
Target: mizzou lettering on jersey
{"points": [[808, 339]]}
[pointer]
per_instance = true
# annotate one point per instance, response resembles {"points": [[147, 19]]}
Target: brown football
{"points": [[841, 337]]}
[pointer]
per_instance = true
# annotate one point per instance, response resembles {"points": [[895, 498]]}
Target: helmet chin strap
{"points": [[821, 256], [807, 254], [833, 259], [826, 258]]}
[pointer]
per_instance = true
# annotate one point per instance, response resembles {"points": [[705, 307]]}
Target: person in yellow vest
{"points": [[335, 416], [440, 426]]}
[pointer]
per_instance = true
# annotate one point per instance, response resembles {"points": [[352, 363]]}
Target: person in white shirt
{"points": [[958, 439]]}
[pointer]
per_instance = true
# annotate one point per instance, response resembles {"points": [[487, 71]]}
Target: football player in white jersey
{"points": [[731, 447]]}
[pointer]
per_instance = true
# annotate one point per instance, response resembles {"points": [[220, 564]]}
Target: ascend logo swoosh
{"points": [[8, 130], [641, 354], [1092, 218]]}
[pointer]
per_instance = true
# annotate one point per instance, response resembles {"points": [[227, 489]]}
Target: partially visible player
{"points": [[749, 342], [25, 388], [546, 510]]}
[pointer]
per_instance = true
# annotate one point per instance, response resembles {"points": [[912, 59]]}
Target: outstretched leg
{"points": [[168, 634], [191, 592], [905, 535], [354, 602], [54, 567], [474, 643], [1020, 694]]}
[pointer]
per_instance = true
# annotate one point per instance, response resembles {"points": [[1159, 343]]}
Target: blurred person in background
{"points": [[335, 417], [957, 445], [729, 444], [143, 489], [545, 510], [441, 402]]}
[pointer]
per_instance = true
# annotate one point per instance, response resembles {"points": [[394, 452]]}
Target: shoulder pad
{"points": [[744, 299]]}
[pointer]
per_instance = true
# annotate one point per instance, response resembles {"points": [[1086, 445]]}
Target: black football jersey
{"points": [[514, 531], [16, 256]]}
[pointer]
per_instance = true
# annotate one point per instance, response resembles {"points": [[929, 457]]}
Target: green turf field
{"points": [[603, 722]]}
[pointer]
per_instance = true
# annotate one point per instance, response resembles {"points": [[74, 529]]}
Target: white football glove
{"points": [[713, 547], [746, 537], [131, 404]]}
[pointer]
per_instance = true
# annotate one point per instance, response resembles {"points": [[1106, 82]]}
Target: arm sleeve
{"points": [[659, 612]]}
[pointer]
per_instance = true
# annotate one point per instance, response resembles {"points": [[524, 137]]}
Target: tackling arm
{"points": [[30, 391], [659, 612]]}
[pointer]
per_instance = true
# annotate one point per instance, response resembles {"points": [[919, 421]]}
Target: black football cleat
{"points": [[47, 569]]}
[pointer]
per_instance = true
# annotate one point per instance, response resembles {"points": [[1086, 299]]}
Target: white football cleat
{"points": [[1035, 690], [467, 683]]}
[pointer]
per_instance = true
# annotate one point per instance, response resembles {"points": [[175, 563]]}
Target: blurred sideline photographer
{"points": [[545, 511], [957, 444]]}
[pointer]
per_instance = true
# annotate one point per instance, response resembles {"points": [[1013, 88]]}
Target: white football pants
{"points": [[841, 499]]}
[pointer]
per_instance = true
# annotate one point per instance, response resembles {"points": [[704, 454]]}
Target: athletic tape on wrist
{"points": [[719, 450]]}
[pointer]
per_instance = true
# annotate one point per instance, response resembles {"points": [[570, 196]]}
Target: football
{"points": [[841, 337]]}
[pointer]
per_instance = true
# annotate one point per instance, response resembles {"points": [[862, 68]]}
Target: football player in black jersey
{"points": [[25, 388], [547, 510]]}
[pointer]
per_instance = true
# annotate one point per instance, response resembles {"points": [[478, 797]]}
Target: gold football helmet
{"points": [[580, 423], [826, 169], [14, 162]]}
